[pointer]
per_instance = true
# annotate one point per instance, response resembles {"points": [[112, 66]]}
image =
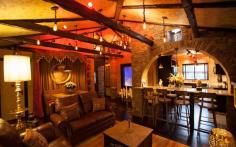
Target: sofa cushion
{"points": [[65, 101], [70, 112], [60, 142], [87, 103], [34, 139], [99, 104], [81, 123], [100, 115], [89, 119]]}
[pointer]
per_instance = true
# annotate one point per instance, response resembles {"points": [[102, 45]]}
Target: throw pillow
{"points": [[87, 102], [34, 139], [99, 104], [70, 112], [65, 101]]}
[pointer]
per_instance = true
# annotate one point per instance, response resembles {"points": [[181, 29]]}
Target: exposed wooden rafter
{"points": [[224, 4], [119, 5], [59, 46], [188, 8], [84, 11], [48, 30]]}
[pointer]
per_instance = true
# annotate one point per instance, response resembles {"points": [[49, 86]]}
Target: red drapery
{"points": [[37, 91]]}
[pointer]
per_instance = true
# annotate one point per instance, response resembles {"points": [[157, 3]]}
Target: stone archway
{"points": [[144, 78]]}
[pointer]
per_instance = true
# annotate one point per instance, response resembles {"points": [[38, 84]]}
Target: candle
{"points": [[126, 92]]}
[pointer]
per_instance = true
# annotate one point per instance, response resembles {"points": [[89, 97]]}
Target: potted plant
{"points": [[70, 87]]}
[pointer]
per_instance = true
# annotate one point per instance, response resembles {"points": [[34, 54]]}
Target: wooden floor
{"points": [[157, 141], [179, 134]]}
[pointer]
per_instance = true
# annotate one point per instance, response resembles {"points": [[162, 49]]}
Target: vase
{"points": [[70, 90]]}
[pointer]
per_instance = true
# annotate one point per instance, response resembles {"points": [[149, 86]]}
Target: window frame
{"points": [[194, 72]]}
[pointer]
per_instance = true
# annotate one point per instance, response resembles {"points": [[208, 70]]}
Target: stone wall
{"points": [[221, 46]]}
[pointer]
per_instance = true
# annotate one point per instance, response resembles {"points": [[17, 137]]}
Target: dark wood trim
{"points": [[225, 4], [154, 6], [85, 33], [119, 5], [50, 20], [48, 30], [188, 8], [61, 46], [84, 11]]}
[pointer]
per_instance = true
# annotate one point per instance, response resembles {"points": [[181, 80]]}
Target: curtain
{"points": [[37, 91]]}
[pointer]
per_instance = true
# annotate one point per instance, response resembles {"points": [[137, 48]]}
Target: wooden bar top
{"points": [[192, 90]]}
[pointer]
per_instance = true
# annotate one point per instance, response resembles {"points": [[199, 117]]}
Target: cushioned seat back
{"points": [[9, 137], [86, 102], [65, 101]]}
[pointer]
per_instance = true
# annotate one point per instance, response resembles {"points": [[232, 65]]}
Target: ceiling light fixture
{"points": [[38, 42], [90, 5], [144, 19], [65, 27], [164, 31], [55, 8], [76, 45]]}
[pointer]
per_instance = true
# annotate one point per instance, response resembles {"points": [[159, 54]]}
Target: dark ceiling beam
{"points": [[154, 6], [224, 4], [45, 20], [48, 30], [84, 11], [119, 5], [188, 8], [59, 46]]}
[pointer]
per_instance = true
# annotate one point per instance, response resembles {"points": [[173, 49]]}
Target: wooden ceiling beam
{"points": [[224, 4], [47, 20], [84, 11], [48, 30], [188, 8], [60, 46], [119, 5]]}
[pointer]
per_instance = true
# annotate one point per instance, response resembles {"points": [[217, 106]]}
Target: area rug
{"points": [[157, 141]]}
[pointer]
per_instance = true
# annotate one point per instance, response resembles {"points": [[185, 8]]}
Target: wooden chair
{"points": [[207, 101], [182, 100], [164, 102], [149, 101]]}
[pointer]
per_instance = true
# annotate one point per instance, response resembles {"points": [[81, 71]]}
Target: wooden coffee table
{"points": [[121, 135]]}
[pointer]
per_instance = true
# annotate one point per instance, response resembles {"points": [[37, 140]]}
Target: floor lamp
{"points": [[17, 69]]}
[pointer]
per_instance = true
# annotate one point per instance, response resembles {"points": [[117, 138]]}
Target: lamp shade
{"points": [[16, 68]]}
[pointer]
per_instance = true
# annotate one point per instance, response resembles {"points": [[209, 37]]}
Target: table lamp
{"points": [[17, 69]]}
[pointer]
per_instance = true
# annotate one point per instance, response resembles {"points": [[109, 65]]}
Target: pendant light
{"points": [[55, 8], [144, 19], [176, 53], [164, 31], [76, 45]]}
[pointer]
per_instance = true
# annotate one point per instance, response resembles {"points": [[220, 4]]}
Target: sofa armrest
{"points": [[61, 124]]}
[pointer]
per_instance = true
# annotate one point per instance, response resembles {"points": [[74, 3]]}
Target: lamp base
{"points": [[20, 125]]}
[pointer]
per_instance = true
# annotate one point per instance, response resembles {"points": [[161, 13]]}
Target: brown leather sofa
{"points": [[88, 124], [9, 137]]}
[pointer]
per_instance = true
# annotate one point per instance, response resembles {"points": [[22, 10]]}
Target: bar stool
{"points": [[149, 101], [163, 101], [208, 101], [182, 100]]}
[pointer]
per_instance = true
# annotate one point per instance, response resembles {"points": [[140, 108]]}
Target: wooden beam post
{"points": [[119, 5], [188, 8], [84, 11], [48, 30]]}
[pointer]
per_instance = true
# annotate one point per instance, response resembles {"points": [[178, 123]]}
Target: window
{"points": [[126, 75], [195, 72], [174, 35]]}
